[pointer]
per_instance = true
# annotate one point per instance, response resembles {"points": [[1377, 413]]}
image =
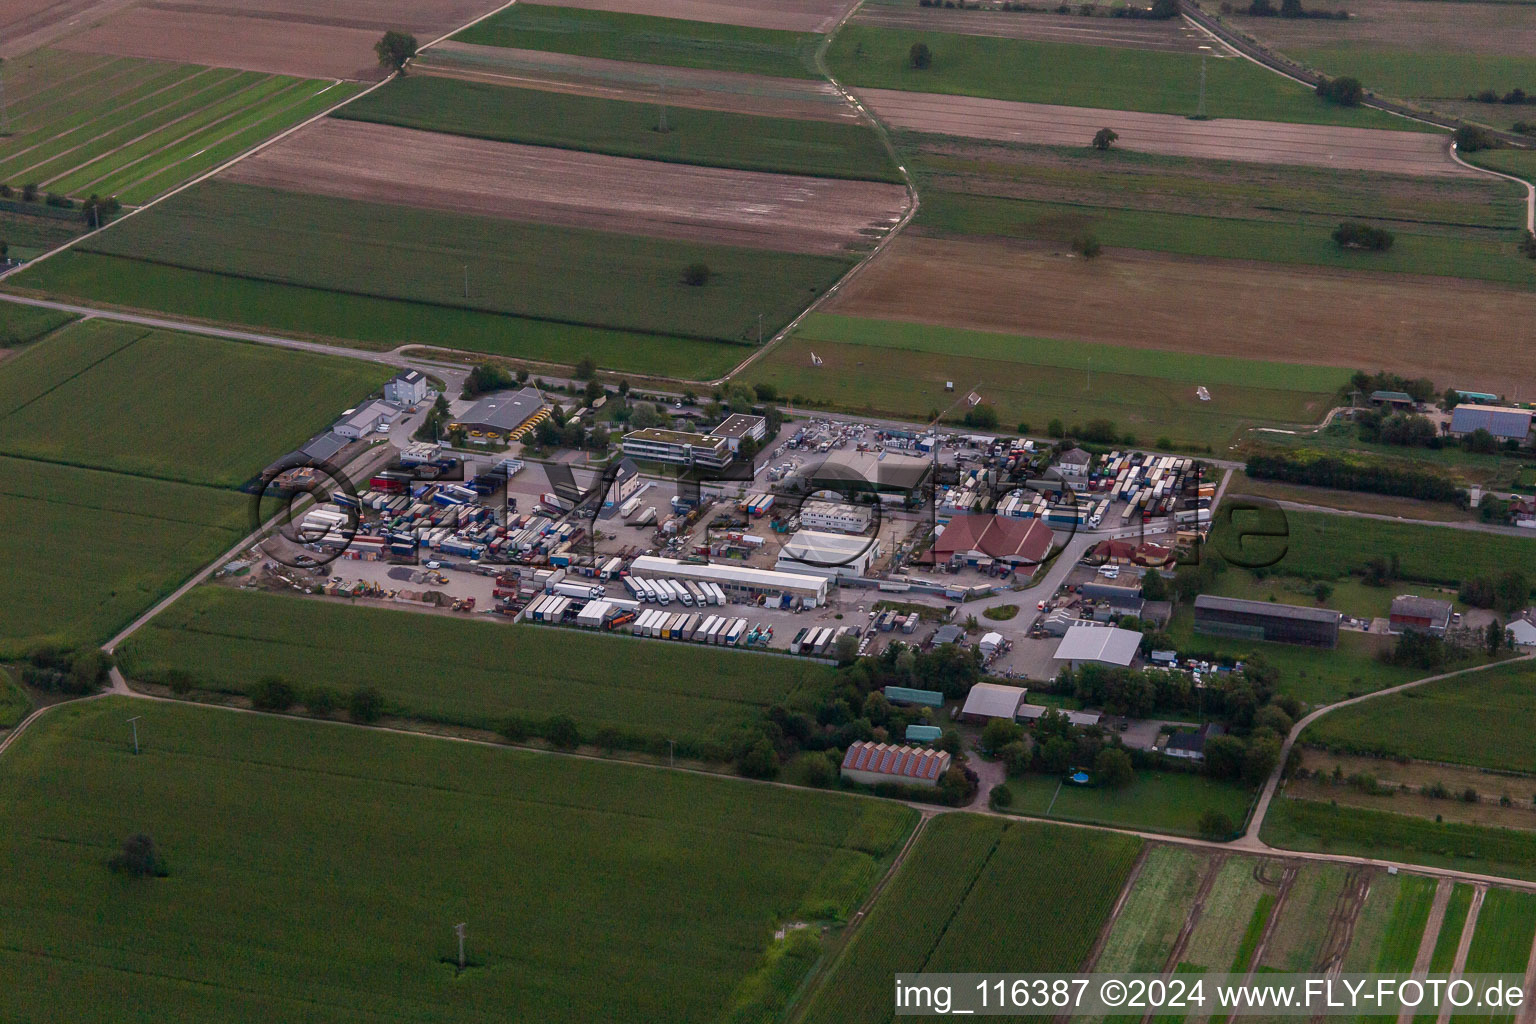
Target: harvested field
{"points": [[1420, 326], [788, 15], [1429, 26], [26, 25], [801, 98], [1263, 142], [388, 164], [1174, 35]]}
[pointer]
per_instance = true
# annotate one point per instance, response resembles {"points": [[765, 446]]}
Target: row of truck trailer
{"points": [[663, 591]]}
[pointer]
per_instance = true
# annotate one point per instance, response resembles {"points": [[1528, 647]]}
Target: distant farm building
{"points": [[1502, 421], [987, 701], [876, 763], [1424, 614], [1098, 645], [1264, 620]]}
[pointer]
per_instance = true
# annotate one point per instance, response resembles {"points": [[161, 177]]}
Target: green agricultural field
{"points": [[86, 551], [1482, 254], [619, 128], [1350, 596], [649, 40], [1229, 911], [1302, 927], [1426, 77], [1391, 925], [1107, 77], [1308, 825], [228, 639], [14, 702], [591, 891], [23, 324], [1147, 393], [145, 388], [1154, 912], [1157, 801], [31, 229], [82, 125], [1323, 545], [978, 894], [1485, 719], [1506, 926], [1519, 162]]}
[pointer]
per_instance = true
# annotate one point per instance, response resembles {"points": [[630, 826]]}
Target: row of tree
{"points": [[1339, 474]]}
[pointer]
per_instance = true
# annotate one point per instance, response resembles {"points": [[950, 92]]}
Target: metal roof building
{"points": [[1102, 645], [1034, 712], [828, 554], [874, 763], [992, 700], [907, 695], [739, 581], [1266, 620], [1502, 421], [508, 413], [1426, 614]]}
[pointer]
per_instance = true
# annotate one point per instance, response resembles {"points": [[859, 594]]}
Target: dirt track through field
{"points": [[381, 163], [1265, 142], [1171, 36], [1441, 328], [290, 37], [789, 15], [803, 98]]}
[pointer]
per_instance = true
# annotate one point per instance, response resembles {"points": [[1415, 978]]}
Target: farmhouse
{"points": [[1425, 614], [509, 414], [834, 515], [406, 387], [874, 763], [678, 447], [1521, 633], [1393, 399], [365, 419], [1503, 422], [971, 539], [828, 554], [1263, 620], [1098, 645], [987, 701], [1074, 462], [739, 427], [1189, 744], [739, 581]]}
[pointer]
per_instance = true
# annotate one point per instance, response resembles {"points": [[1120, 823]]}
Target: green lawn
{"points": [[591, 891], [86, 551], [1157, 801], [22, 324], [978, 894], [1083, 76], [229, 639], [1308, 825], [1484, 255], [619, 128], [1148, 393], [1350, 596], [649, 40], [1484, 719], [146, 391]]}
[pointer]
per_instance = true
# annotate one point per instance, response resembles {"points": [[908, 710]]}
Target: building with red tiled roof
{"points": [[874, 763], [972, 538]]}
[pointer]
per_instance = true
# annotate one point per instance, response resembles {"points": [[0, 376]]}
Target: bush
{"points": [[920, 57], [1213, 824], [1355, 235], [1087, 246], [1104, 138], [1470, 138], [1345, 91], [696, 275], [998, 733], [273, 693], [514, 730], [759, 761], [138, 858], [365, 705], [29, 192], [1000, 797], [561, 732], [321, 701]]}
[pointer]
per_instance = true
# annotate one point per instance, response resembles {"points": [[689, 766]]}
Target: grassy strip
{"points": [[14, 702], [1307, 825], [1111, 78], [1506, 926], [228, 640], [618, 128], [1487, 258], [1485, 720], [681, 879], [627, 282], [649, 40], [1248, 945], [22, 324], [372, 323]]}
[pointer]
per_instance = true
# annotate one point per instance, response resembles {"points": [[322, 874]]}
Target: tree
{"points": [[982, 417], [1153, 586], [394, 50], [586, 368], [593, 391], [484, 378], [740, 398], [1224, 756], [1055, 429], [624, 389], [562, 733], [1113, 768], [1527, 245], [920, 57], [759, 762], [1470, 139], [1000, 797], [1322, 591], [1493, 637], [1352, 234], [1260, 759], [321, 701], [645, 416], [1087, 246], [1511, 592], [998, 733], [696, 275], [365, 705], [1104, 138], [1213, 824], [846, 650], [1481, 441], [1344, 91], [273, 693], [138, 858], [1015, 756], [1055, 755]]}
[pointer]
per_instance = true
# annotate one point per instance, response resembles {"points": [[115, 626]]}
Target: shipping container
{"points": [[794, 645]]}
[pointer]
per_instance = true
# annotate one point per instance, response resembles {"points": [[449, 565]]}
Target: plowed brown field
{"points": [[291, 37], [1265, 142], [1440, 328], [791, 213], [1173, 36], [791, 15], [734, 92]]}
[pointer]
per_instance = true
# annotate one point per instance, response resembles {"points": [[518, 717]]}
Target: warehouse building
{"points": [[1098, 645], [891, 476], [1502, 421], [1425, 614], [406, 387], [678, 447], [365, 419], [739, 427], [740, 582], [835, 515], [1264, 620], [876, 763], [504, 414], [1035, 712], [828, 554], [983, 539], [987, 701]]}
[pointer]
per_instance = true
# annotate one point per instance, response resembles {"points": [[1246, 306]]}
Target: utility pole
{"points": [[466, 280], [5, 125], [1200, 110], [759, 328], [134, 721], [458, 930], [671, 753]]}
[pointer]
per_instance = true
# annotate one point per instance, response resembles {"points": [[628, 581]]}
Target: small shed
{"points": [[907, 695], [923, 733]]}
